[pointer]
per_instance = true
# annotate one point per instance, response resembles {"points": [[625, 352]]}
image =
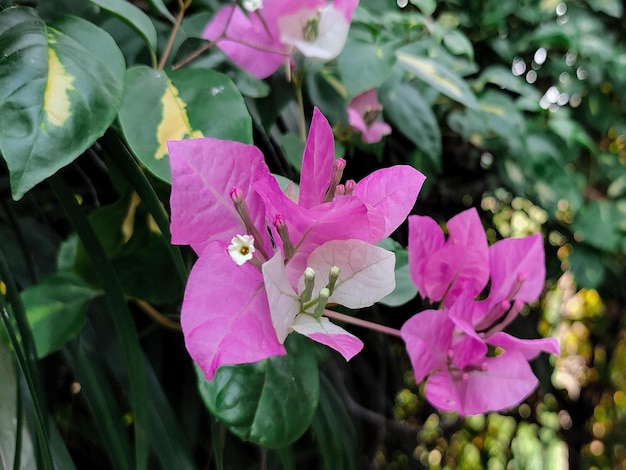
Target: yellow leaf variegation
{"points": [[174, 123]]}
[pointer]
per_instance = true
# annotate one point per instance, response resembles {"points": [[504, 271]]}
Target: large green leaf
{"points": [[56, 309], [407, 110], [57, 95], [364, 66], [271, 402], [179, 104], [439, 76]]}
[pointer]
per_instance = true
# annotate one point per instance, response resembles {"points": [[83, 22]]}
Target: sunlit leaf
{"points": [[438, 76], [56, 309]]}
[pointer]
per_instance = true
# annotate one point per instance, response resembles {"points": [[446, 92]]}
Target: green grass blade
{"points": [[120, 315], [100, 398], [26, 355]]}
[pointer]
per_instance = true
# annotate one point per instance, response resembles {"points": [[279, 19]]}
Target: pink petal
{"points": [[512, 258], [283, 301], [203, 173], [355, 119], [529, 348], [366, 272], [329, 334], [246, 32], [225, 316], [425, 238], [507, 380], [466, 229], [393, 192], [452, 270], [375, 132], [317, 163], [346, 7], [427, 336]]}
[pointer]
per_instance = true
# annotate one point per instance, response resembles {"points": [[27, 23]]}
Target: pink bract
{"points": [[261, 41], [442, 269]]}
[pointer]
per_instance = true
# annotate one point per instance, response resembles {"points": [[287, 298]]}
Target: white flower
{"points": [[241, 248]]}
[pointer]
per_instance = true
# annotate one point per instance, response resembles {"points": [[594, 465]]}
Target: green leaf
{"points": [[407, 110], [599, 224], [184, 103], [458, 44], [438, 76], [57, 95], [134, 17], [56, 309], [294, 149], [364, 66], [427, 7], [587, 266], [159, 6], [271, 402]]}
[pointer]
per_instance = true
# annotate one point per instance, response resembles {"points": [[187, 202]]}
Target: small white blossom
{"points": [[241, 248]]}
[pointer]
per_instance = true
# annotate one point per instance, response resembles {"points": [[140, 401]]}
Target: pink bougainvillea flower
{"points": [[230, 209], [451, 346], [442, 269], [261, 39], [362, 116]]}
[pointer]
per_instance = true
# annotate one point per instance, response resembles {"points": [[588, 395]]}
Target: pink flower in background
{"points": [[265, 36], [443, 268], [225, 204], [450, 346], [362, 116]]}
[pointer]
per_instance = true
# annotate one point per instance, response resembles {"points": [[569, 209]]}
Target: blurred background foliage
{"points": [[514, 107]]}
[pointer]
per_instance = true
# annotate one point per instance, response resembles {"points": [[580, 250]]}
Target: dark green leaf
{"points": [[63, 98], [407, 110], [271, 402], [364, 66], [134, 17]]}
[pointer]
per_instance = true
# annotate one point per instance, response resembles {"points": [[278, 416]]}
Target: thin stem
{"points": [[156, 315], [183, 5], [297, 83], [362, 323]]}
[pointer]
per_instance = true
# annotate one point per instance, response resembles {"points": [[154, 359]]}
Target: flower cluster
{"points": [[471, 364], [363, 112], [270, 261], [266, 34]]}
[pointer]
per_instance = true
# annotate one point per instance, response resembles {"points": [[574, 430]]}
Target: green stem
{"points": [[297, 83]]}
